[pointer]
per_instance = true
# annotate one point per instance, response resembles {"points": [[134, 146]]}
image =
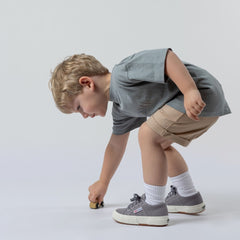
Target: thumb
{"points": [[100, 198]]}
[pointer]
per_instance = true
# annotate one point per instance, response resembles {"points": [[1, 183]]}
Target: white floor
{"points": [[44, 196]]}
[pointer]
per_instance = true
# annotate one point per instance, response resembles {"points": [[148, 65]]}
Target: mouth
{"points": [[93, 115]]}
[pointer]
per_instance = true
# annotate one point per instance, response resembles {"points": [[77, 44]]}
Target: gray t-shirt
{"points": [[139, 87]]}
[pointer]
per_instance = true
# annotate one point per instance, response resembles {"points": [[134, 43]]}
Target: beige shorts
{"points": [[177, 126]]}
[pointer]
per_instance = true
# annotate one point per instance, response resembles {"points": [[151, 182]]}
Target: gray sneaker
{"points": [[189, 205], [140, 213]]}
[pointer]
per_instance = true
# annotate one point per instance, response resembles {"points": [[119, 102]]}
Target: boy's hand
{"points": [[97, 192], [193, 104]]}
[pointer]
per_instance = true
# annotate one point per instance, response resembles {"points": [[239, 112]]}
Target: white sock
{"points": [[184, 184], [154, 194]]}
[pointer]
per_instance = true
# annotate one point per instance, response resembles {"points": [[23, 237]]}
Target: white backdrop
{"points": [[48, 159]]}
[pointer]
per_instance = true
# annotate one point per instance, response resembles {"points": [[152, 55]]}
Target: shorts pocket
{"points": [[167, 116]]}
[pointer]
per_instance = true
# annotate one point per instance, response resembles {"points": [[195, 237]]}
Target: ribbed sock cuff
{"points": [[184, 184], [154, 194]]}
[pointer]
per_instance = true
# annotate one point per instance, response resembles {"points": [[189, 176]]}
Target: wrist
{"points": [[190, 90], [104, 181]]}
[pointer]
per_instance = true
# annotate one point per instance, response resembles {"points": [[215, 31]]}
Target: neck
{"points": [[107, 89], [104, 84]]}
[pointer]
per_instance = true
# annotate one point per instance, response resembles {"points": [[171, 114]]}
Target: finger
{"points": [[198, 108], [92, 198], [193, 117], [189, 114], [100, 199], [194, 111], [89, 197], [197, 112], [201, 103], [196, 118]]}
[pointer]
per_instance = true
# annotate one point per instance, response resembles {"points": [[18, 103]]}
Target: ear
{"points": [[86, 81]]}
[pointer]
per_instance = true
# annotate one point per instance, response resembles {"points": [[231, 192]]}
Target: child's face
{"points": [[90, 103]]}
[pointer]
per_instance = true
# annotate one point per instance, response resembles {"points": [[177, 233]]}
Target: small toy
{"points": [[95, 205]]}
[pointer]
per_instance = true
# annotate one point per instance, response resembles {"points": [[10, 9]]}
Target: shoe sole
{"points": [[186, 209], [140, 220]]}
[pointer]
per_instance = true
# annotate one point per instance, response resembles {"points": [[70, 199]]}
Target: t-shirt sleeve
{"points": [[148, 65], [123, 123]]}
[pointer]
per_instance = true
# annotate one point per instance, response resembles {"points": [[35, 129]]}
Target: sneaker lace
{"points": [[135, 200], [172, 192]]}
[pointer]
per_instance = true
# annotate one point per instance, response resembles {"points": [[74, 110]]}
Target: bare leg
{"points": [[154, 160], [159, 158], [178, 172], [176, 163]]}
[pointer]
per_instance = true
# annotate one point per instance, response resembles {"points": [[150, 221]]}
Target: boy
{"points": [[182, 101]]}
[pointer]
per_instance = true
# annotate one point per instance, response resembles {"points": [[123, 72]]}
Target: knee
{"points": [[145, 133]]}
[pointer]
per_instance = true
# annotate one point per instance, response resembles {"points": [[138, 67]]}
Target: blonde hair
{"points": [[64, 82]]}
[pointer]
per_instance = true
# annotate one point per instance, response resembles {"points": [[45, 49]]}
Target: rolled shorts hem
{"points": [[152, 123], [177, 126]]}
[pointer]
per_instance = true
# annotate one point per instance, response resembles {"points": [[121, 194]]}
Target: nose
{"points": [[85, 115]]}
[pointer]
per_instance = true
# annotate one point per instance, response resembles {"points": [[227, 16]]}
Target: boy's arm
{"points": [[178, 73], [113, 156]]}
